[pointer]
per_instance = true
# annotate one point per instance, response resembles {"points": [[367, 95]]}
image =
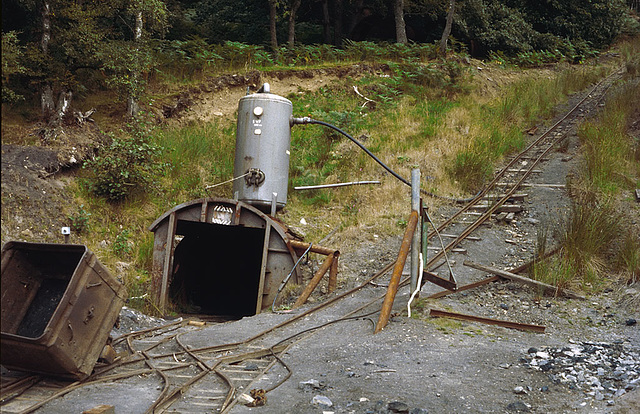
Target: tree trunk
{"points": [[447, 27], [132, 102], [46, 92], [401, 30], [338, 20], [326, 22], [295, 5], [358, 5], [272, 25]]}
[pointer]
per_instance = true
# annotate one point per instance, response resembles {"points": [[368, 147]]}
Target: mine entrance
{"points": [[216, 269]]}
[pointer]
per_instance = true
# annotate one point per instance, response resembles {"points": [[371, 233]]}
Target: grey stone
{"points": [[311, 384], [518, 407], [321, 400], [398, 407]]}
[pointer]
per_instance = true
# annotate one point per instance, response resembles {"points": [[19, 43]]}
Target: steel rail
{"points": [[487, 214], [162, 404]]}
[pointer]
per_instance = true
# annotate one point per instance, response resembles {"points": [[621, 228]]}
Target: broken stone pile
{"points": [[601, 370]]}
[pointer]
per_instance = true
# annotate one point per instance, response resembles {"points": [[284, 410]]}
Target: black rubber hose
{"points": [[307, 120]]}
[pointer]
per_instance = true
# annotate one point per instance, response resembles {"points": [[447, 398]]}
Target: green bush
{"points": [[129, 165]]}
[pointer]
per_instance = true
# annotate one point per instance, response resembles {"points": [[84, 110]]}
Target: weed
{"points": [[121, 246], [144, 254], [587, 239], [80, 220], [471, 169], [627, 257]]}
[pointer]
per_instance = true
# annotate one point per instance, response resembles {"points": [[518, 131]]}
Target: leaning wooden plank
{"points": [[525, 280]]}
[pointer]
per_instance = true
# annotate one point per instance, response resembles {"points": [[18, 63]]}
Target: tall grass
{"points": [[597, 241], [502, 122], [197, 155], [611, 162]]}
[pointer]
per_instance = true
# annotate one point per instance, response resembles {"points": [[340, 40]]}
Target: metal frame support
{"points": [[415, 244], [265, 254], [168, 260]]}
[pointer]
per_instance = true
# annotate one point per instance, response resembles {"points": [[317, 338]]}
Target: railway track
{"points": [[204, 369], [500, 194]]}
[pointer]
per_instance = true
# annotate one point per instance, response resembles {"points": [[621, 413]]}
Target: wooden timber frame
{"points": [[277, 255]]}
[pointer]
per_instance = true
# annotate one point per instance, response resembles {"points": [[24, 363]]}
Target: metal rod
{"points": [[333, 274], [314, 282], [314, 249], [315, 187], [465, 287], [286, 279], [397, 272], [525, 280], [415, 244], [506, 324], [274, 201]]}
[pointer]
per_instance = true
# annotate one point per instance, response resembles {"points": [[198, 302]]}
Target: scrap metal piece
{"points": [[436, 313], [435, 279]]}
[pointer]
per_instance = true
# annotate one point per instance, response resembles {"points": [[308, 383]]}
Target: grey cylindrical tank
{"points": [[263, 137]]}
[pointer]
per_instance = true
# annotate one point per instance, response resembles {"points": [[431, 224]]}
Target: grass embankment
{"points": [[600, 246], [450, 119]]}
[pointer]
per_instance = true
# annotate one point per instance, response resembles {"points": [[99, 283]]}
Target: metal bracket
{"points": [[254, 177]]}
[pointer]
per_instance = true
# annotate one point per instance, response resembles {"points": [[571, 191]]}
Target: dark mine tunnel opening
{"points": [[216, 269]]}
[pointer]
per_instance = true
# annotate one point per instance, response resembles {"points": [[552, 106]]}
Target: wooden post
{"points": [[525, 280]]}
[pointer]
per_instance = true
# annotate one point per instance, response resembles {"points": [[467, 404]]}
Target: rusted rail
{"points": [[490, 321]]}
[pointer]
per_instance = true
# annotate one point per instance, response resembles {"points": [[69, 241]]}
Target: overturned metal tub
{"points": [[58, 306]]}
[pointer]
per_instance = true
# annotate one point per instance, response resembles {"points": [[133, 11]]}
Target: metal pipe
{"points": [[333, 274], [286, 279], [397, 272], [314, 282], [415, 244], [315, 187], [314, 249]]}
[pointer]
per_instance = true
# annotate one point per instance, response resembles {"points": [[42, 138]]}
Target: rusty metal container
{"points": [[59, 304]]}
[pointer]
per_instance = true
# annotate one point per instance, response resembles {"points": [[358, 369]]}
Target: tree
{"points": [[398, 13], [339, 13], [294, 5], [273, 4], [12, 55], [447, 27]]}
